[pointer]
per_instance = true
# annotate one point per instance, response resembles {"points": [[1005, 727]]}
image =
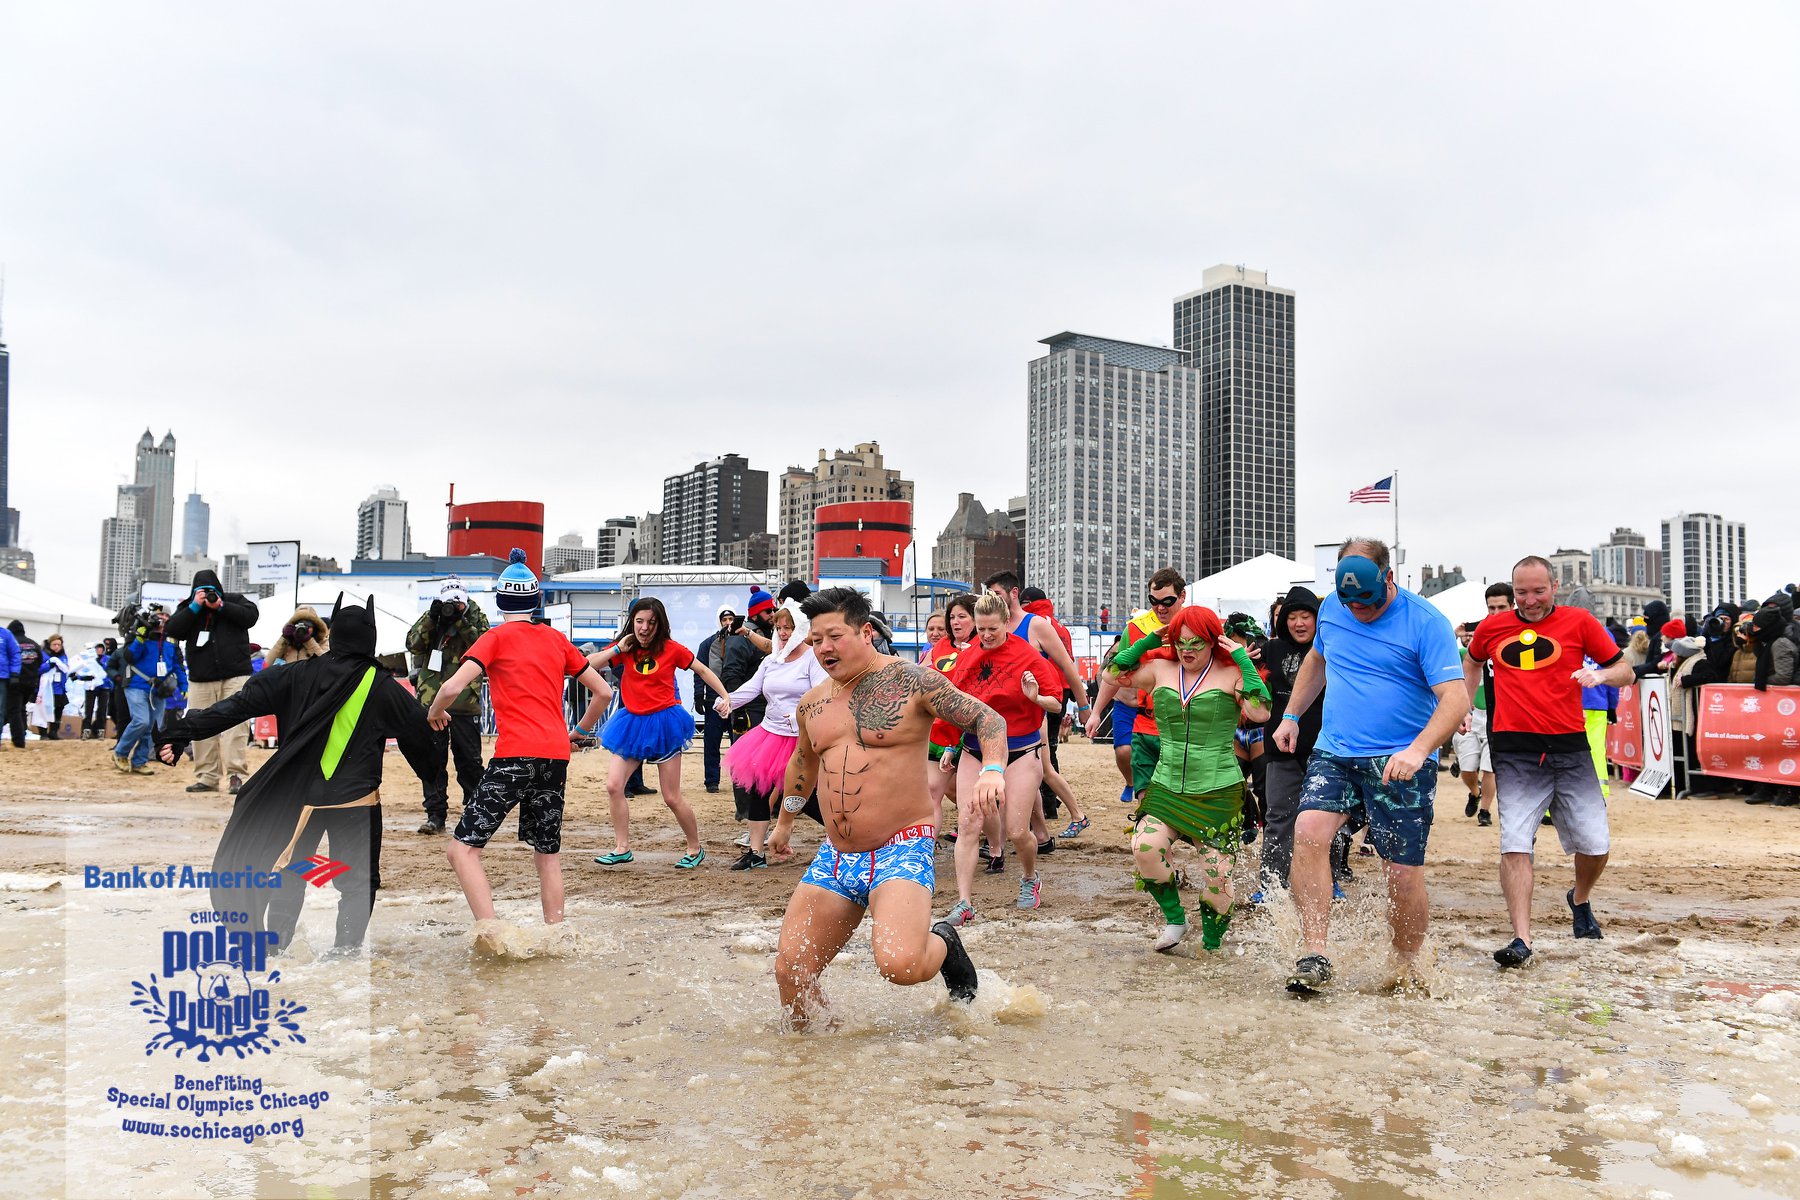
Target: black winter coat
{"points": [[216, 641]]}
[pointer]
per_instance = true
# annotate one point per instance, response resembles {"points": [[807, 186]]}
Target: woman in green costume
{"points": [[1201, 684]]}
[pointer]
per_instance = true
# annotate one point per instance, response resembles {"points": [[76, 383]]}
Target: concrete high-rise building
{"points": [[846, 476], [711, 504], [186, 566], [1571, 569], [1626, 558], [122, 547], [9, 516], [1112, 452], [1238, 332], [648, 548], [155, 469], [1703, 562], [1016, 510], [567, 555], [381, 528], [19, 563], [975, 544], [196, 525], [616, 541], [753, 553]]}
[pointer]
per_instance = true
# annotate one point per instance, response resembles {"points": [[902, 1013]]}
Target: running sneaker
{"points": [[961, 913], [1586, 926], [749, 860], [997, 864], [743, 839], [1484, 818], [1169, 938], [1514, 954], [1310, 976], [1074, 829], [1337, 891], [958, 971], [1473, 804], [1028, 892]]}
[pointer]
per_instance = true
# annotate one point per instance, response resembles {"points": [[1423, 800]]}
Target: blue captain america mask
{"points": [[1360, 581]]}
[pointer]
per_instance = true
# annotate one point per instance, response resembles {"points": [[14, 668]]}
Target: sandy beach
{"points": [[638, 1051]]}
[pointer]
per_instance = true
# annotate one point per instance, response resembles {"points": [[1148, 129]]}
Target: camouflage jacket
{"points": [[455, 640]]}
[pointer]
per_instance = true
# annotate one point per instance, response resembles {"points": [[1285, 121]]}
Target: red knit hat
{"points": [[760, 602], [1673, 629]]}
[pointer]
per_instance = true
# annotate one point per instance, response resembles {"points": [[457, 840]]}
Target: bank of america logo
{"points": [[319, 870]]}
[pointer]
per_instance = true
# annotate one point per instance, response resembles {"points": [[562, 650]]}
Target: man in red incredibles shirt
{"points": [[1537, 736]]}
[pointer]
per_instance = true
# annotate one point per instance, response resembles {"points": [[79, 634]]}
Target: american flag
{"points": [[1376, 493]]}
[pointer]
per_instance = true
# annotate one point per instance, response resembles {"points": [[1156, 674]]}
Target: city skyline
{"points": [[1459, 290]]}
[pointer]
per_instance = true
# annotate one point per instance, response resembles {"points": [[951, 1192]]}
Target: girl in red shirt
{"points": [[999, 670], [651, 725]]}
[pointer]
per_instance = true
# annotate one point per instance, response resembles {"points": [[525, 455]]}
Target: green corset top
{"points": [[1198, 741]]}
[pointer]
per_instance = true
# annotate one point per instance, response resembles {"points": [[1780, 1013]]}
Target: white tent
{"points": [[1250, 586], [45, 612], [394, 613], [1467, 601]]}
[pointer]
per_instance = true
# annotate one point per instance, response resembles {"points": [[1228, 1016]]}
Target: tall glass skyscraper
{"points": [[1239, 335], [9, 516], [1140, 457], [156, 471]]}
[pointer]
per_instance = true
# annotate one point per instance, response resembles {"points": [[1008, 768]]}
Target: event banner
{"points": [[1657, 746], [1747, 734], [1624, 737]]}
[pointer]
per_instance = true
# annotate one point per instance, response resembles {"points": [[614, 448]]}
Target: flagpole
{"points": [[1394, 496]]}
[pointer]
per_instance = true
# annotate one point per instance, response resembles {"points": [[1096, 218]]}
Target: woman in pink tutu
{"points": [[758, 760]]}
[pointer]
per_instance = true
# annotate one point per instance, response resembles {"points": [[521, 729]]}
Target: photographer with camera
{"points": [[437, 642], [214, 626], [153, 671]]}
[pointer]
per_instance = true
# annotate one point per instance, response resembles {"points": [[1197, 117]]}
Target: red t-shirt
{"points": [[526, 665], [1534, 704], [993, 677], [647, 681], [942, 658]]}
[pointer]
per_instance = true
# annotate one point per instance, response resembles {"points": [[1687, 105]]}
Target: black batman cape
{"points": [[305, 697]]}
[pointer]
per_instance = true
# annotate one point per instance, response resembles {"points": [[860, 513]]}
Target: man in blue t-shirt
{"points": [[1392, 674]]}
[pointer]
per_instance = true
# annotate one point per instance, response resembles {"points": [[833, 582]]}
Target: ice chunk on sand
{"points": [[1779, 1004], [1682, 1149]]}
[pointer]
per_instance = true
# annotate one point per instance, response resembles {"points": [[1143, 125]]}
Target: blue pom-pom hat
{"points": [[518, 591]]}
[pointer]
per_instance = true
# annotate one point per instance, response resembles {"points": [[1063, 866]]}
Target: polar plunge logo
{"points": [[214, 996]]}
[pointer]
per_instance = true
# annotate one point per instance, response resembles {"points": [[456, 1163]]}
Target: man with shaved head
{"points": [[1537, 738]]}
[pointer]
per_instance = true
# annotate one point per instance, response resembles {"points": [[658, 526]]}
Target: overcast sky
{"points": [[1545, 256]]}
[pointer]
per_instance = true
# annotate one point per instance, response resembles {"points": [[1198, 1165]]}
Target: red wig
{"points": [[1193, 621]]}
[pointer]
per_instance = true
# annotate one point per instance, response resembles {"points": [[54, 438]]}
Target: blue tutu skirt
{"points": [[648, 737]]}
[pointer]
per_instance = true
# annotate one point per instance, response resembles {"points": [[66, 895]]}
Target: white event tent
{"points": [[1467, 601], [1250, 586], [45, 612]]}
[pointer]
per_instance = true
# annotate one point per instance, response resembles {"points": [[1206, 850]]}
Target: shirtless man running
{"points": [[863, 735]]}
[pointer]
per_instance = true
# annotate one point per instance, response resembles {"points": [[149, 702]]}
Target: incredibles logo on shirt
{"points": [[947, 663], [1530, 651], [644, 665]]}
